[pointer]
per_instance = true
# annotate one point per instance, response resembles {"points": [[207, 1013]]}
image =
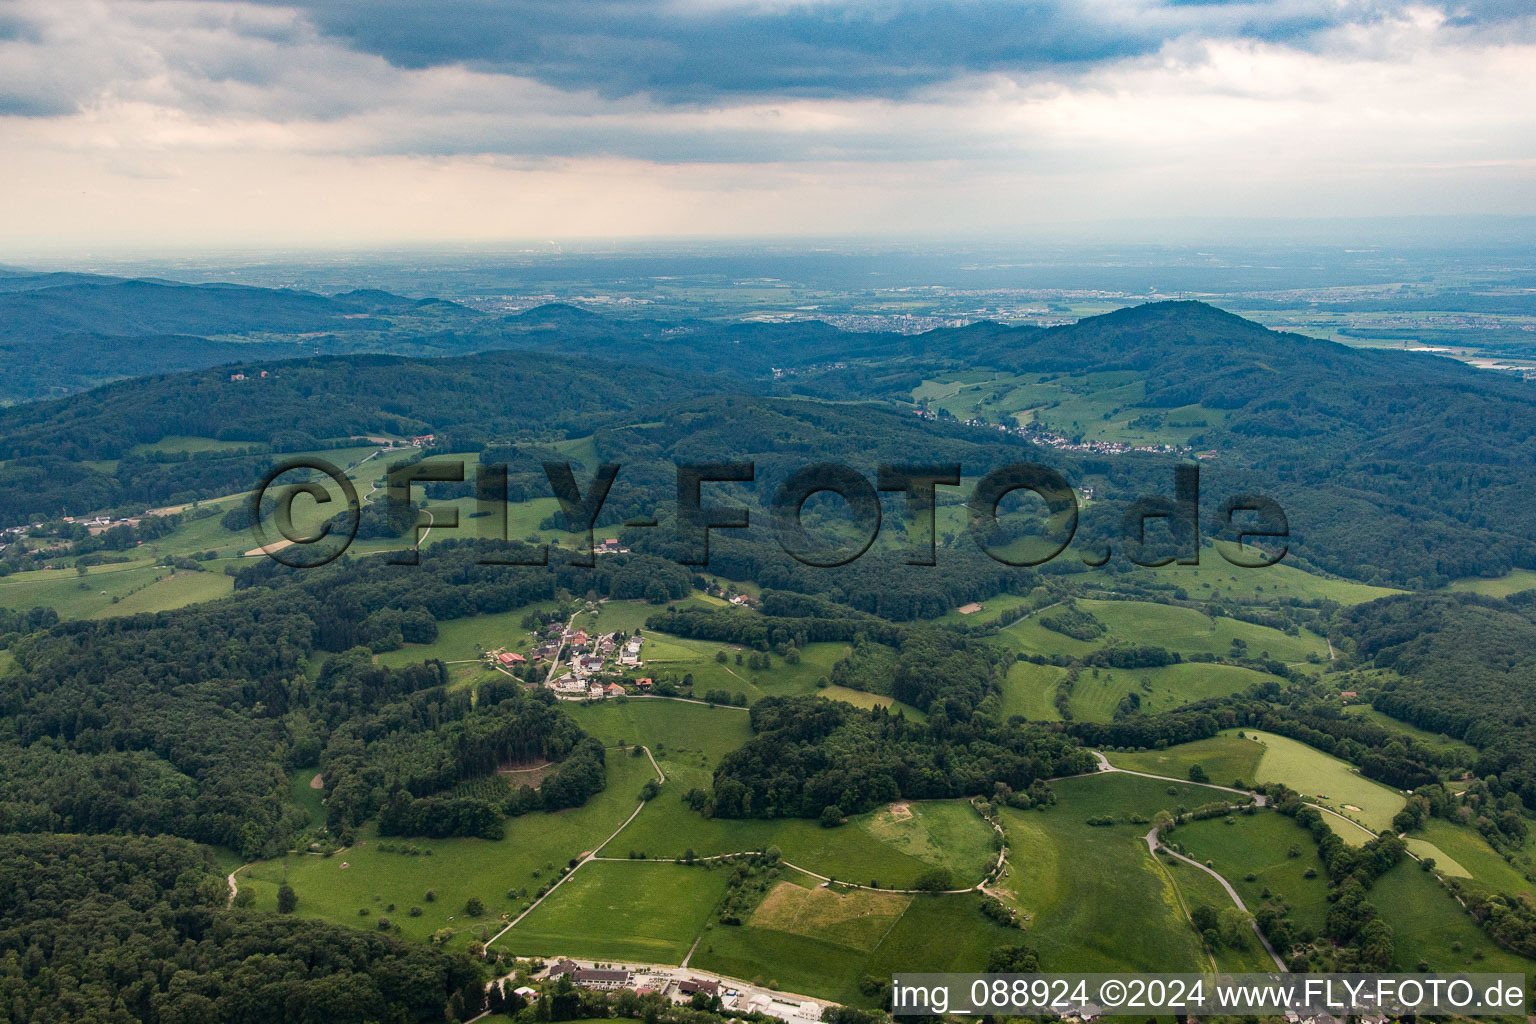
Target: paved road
{"points": [[1152, 844], [1104, 766]]}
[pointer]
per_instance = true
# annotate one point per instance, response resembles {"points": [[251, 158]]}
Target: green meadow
{"points": [[885, 848], [365, 877], [1134, 920], [1094, 697], [803, 954], [1030, 690], [1216, 577], [1174, 627], [1429, 926], [1328, 781], [861, 699], [634, 910], [1192, 632], [674, 730], [1438, 741], [1260, 844], [890, 846], [1460, 852], [1224, 759], [1501, 586], [1197, 888], [111, 590]]}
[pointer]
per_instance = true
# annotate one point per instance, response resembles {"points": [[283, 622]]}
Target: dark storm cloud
{"points": [[700, 51]]}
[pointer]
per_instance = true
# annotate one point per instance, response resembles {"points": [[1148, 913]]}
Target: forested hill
{"points": [[1393, 467]]}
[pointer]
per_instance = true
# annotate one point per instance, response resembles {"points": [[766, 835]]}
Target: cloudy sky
{"points": [[340, 122]]}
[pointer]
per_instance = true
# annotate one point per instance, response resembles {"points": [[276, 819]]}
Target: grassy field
{"points": [[688, 740], [1428, 925], [1501, 586], [1481, 866], [304, 795], [1260, 845], [1191, 632], [1095, 899], [1174, 627], [1328, 781], [635, 910], [1196, 888], [1438, 741], [1030, 690], [1225, 759], [136, 587], [819, 954], [1094, 698], [1215, 576], [678, 733], [1032, 638], [172, 443], [467, 638], [858, 920], [365, 877], [868, 849], [7, 660], [673, 655], [860, 699]]}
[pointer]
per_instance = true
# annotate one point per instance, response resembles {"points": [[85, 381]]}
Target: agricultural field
{"points": [[1032, 638], [1174, 627], [1197, 888], [1012, 605], [1192, 632], [171, 444], [811, 946], [1429, 926], [367, 877], [1097, 693], [306, 796], [890, 846], [675, 731], [1461, 853], [1096, 406], [861, 699], [1216, 577], [631, 910], [1438, 741], [1260, 844], [466, 639], [1328, 781], [1224, 759], [678, 656], [111, 590], [1030, 690], [1135, 922], [1501, 586]]}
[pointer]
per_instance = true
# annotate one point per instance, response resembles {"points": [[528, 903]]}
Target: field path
{"points": [[1152, 845], [1259, 799], [234, 889], [1034, 611], [585, 860]]}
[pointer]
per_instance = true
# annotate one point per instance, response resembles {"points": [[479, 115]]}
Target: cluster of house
{"points": [[236, 377], [679, 986], [590, 667], [610, 546], [1059, 442], [94, 525]]}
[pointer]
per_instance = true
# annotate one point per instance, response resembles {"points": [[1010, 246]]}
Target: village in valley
{"points": [[580, 666]]}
